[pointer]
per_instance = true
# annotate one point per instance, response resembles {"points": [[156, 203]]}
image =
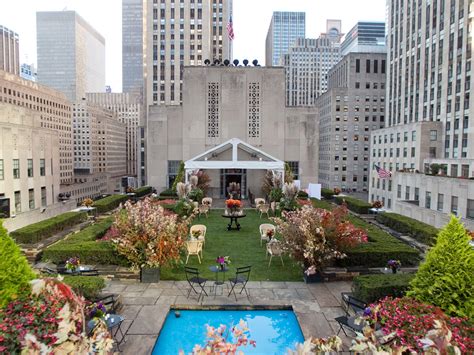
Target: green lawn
{"points": [[243, 248]]}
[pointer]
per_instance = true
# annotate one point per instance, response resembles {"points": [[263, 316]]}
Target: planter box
{"points": [[315, 278], [149, 275]]}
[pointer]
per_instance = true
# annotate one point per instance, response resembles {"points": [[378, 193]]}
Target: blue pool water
{"points": [[275, 331]]}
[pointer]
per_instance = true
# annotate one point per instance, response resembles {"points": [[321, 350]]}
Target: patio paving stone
{"points": [[149, 320], [286, 294], [130, 311], [314, 325], [138, 344], [139, 300], [254, 284], [152, 292], [297, 285], [332, 312], [273, 284], [161, 284], [323, 295], [166, 300], [131, 294], [173, 292], [262, 293], [139, 287], [304, 306], [304, 294]]}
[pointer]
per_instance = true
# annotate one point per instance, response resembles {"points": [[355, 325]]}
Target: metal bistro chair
{"points": [[192, 276], [242, 276]]}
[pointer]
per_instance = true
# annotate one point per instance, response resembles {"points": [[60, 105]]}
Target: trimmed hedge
{"points": [[380, 247], [86, 247], [109, 203], [422, 232], [87, 286], [168, 193], [327, 193], [142, 191], [371, 288], [354, 204], [302, 194], [37, 232]]}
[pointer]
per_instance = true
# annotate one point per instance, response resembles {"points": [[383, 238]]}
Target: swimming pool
{"points": [[274, 331]]}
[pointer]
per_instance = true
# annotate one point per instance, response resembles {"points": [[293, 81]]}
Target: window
{"points": [[407, 193], [43, 196], [454, 205], [357, 85], [173, 168], [465, 171], [16, 168], [412, 152], [470, 209], [31, 199], [2, 172], [295, 168], [405, 136], [440, 202], [42, 167], [428, 199], [417, 194], [17, 202], [30, 167], [399, 191], [357, 65], [367, 66], [413, 136]]}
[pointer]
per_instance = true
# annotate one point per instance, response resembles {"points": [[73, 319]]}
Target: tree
{"points": [[446, 278], [15, 273]]}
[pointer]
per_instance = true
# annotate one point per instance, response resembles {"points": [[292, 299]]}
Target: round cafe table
{"points": [[217, 269], [234, 218]]}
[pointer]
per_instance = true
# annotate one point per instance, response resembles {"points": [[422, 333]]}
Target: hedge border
{"points": [[109, 203], [143, 191], [354, 204], [371, 288]]}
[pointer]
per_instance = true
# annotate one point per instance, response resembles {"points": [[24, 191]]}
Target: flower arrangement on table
{"points": [[223, 261], [337, 191], [270, 233], [72, 264], [394, 265], [377, 204], [233, 205], [87, 202], [97, 310], [130, 190], [196, 233]]}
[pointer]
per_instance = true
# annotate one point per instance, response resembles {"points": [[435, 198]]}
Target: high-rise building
{"points": [[182, 33], [429, 113], [129, 110], [71, 54], [132, 46], [365, 37], [28, 71], [9, 51], [353, 106], [285, 28], [54, 112]]}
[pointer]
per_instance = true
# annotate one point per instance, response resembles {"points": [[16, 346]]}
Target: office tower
{"points": [[429, 113], [285, 28], [353, 106], [365, 37], [71, 54], [129, 111], [54, 112], [9, 51], [132, 46], [178, 34]]}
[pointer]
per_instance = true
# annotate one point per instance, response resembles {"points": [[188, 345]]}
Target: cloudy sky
{"points": [[251, 20]]}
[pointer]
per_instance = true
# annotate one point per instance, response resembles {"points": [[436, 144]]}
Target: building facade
{"points": [[129, 110], [365, 37], [353, 106], [307, 64], [54, 112], [71, 54], [256, 114], [428, 82], [9, 51], [132, 46], [285, 28], [179, 34]]}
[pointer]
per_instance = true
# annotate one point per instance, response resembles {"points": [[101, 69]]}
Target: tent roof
{"points": [[265, 161]]}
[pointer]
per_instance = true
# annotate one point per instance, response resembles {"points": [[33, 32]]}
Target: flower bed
{"points": [[420, 231], [354, 204], [37, 232], [109, 203], [371, 288], [87, 246]]}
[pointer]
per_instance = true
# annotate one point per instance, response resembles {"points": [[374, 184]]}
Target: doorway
{"points": [[238, 176]]}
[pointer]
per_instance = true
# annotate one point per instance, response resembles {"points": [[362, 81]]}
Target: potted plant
{"points": [[222, 261], [149, 237], [315, 237], [72, 264], [394, 265], [377, 204]]}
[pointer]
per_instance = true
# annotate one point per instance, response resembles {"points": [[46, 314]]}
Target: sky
{"points": [[251, 19]]}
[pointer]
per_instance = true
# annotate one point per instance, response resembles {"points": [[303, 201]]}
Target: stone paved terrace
{"points": [[145, 306]]}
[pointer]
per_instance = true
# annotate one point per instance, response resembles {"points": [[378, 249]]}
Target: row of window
{"points": [[31, 199], [398, 135], [16, 168]]}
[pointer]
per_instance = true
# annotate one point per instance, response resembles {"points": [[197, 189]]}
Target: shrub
{"points": [[196, 194], [420, 231], [109, 203], [354, 204], [87, 286], [371, 288], [276, 194], [168, 193], [15, 273], [446, 278], [302, 194], [179, 177], [142, 191], [327, 193], [37, 232], [86, 246]]}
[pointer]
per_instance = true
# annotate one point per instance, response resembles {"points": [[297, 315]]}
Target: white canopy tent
{"points": [[260, 160]]}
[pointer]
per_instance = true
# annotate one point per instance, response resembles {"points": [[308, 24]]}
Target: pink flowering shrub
{"points": [[315, 237], [410, 320]]}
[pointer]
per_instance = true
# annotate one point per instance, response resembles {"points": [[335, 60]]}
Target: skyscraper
{"points": [[71, 54], [428, 144], [365, 37], [285, 28], [132, 46], [179, 34], [9, 51]]}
